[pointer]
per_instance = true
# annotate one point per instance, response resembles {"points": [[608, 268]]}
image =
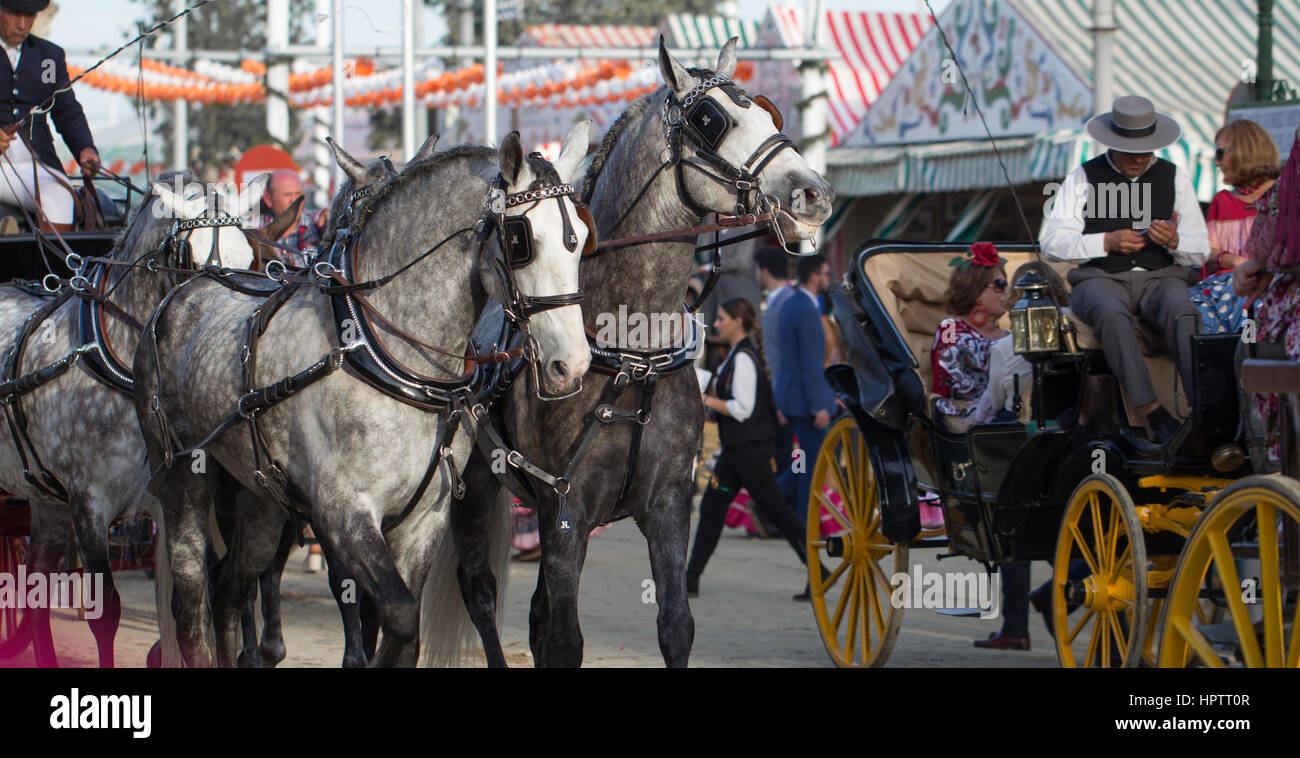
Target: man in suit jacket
{"points": [[31, 71], [774, 276], [802, 393]]}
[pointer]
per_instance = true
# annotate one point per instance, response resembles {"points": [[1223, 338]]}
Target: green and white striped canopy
{"points": [[708, 32]]}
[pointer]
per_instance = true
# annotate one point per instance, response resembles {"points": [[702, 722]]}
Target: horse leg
{"points": [[666, 526], [562, 559], [47, 545], [471, 529], [185, 497], [538, 617], [90, 524], [356, 541], [257, 538], [226, 514], [349, 599], [272, 649]]}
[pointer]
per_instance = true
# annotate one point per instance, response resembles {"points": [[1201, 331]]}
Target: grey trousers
{"points": [[1111, 305]]}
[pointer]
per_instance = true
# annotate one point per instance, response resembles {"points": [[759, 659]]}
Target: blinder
{"points": [[517, 241], [710, 122]]}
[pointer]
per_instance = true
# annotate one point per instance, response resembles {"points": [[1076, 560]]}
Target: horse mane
{"points": [[633, 112], [542, 169]]}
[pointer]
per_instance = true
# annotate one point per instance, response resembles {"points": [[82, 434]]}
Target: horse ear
{"points": [[574, 151], [426, 149], [351, 166], [281, 223], [673, 72], [727, 59], [512, 158], [176, 205], [251, 195]]}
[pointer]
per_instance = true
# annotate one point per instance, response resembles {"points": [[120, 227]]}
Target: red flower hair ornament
{"points": [[980, 254]]}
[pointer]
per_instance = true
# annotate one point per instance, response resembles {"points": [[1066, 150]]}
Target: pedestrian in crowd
{"points": [[740, 398], [1249, 160], [774, 276], [1129, 253], [802, 393], [305, 233], [1274, 245]]}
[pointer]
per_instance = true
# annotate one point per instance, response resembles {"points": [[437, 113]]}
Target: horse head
{"points": [[223, 243], [543, 238], [723, 129]]}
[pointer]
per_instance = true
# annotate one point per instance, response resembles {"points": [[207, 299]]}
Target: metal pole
{"points": [[408, 78], [421, 111], [180, 109], [813, 115], [337, 123], [320, 126], [277, 71], [490, 71], [1264, 52], [1103, 41]]}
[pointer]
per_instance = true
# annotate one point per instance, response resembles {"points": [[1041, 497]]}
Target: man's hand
{"points": [[1165, 232], [822, 419], [780, 418], [1124, 241], [89, 161], [5, 138]]}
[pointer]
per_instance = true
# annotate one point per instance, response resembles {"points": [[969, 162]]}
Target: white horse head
{"points": [[197, 199]]}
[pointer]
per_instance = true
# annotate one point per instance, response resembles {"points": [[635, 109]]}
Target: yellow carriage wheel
{"points": [[858, 623], [1255, 517], [1101, 536]]}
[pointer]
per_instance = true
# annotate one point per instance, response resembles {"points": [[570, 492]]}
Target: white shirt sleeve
{"points": [[1063, 238], [1193, 237], [744, 387]]}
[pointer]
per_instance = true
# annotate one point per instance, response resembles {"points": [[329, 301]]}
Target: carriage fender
{"points": [[1051, 464], [865, 382]]}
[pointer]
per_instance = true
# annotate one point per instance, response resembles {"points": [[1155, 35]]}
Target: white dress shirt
{"points": [[15, 52], [1063, 238], [744, 385]]}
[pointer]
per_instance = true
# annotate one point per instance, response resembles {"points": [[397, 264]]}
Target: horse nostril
{"points": [[559, 369]]}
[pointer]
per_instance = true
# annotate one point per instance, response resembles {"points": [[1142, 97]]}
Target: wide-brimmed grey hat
{"points": [[1133, 126]]}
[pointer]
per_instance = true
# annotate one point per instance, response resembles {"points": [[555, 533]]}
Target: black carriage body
{"points": [[1004, 486], [22, 257]]}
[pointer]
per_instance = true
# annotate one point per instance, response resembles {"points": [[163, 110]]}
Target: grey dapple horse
{"points": [[81, 430], [352, 457], [650, 280]]}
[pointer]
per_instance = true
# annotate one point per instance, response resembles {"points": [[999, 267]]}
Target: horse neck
{"points": [[651, 278], [431, 300], [135, 290]]}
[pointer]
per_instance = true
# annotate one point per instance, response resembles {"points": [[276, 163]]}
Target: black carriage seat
{"points": [[113, 217], [910, 287]]}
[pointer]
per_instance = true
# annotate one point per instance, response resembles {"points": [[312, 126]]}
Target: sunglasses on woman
{"points": [[999, 285], [1218, 153]]}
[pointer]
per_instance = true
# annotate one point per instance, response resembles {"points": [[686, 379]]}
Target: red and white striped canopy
{"points": [[872, 46], [581, 35]]}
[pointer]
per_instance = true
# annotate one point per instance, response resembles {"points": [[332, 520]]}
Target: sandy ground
{"points": [[743, 617]]}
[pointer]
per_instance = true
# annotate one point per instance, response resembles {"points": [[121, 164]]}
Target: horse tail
{"points": [[445, 626], [138, 495]]}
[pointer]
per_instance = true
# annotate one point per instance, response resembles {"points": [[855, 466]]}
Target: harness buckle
{"points": [[45, 282], [73, 283], [324, 269], [744, 185], [243, 355], [515, 459]]}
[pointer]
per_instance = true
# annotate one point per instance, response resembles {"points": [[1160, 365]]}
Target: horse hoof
{"points": [[271, 656], [153, 659], [250, 660]]}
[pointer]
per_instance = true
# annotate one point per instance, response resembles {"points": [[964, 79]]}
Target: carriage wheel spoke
{"points": [[1097, 625], [835, 512], [1104, 622], [849, 588], [1069, 639], [848, 475], [846, 496], [835, 576], [854, 604], [1197, 642], [1121, 639], [1112, 538], [1227, 570], [1270, 580], [878, 610], [866, 479], [1098, 536], [1124, 559], [1083, 549], [868, 599]]}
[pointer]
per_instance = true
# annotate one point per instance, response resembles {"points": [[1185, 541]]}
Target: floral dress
{"points": [[1228, 221], [960, 359]]}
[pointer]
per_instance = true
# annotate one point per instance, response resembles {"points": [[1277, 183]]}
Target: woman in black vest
{"points": [[742, 404]]}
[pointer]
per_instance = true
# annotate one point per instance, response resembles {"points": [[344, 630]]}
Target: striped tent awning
{"points": [[872, 47], [972, 164], [708, 32], [583, 35]]}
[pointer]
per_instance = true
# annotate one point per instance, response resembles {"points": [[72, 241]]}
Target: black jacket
{"points": [[761, 424], [42, 70]]}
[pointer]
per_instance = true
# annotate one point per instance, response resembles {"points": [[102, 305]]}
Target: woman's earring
{"points": [[979, 316]]}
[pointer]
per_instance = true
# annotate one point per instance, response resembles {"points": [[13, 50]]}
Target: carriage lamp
{"points": [[1035, 319]]}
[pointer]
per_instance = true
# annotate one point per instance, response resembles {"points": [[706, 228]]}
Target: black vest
{"points": [[761, 424], [1112, 205]]}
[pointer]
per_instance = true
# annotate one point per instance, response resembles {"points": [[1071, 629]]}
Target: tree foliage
{"points": [[219, 133]]}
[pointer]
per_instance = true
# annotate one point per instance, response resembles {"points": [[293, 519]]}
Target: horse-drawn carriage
{"points": [[1131, 529], [36, 260]]}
